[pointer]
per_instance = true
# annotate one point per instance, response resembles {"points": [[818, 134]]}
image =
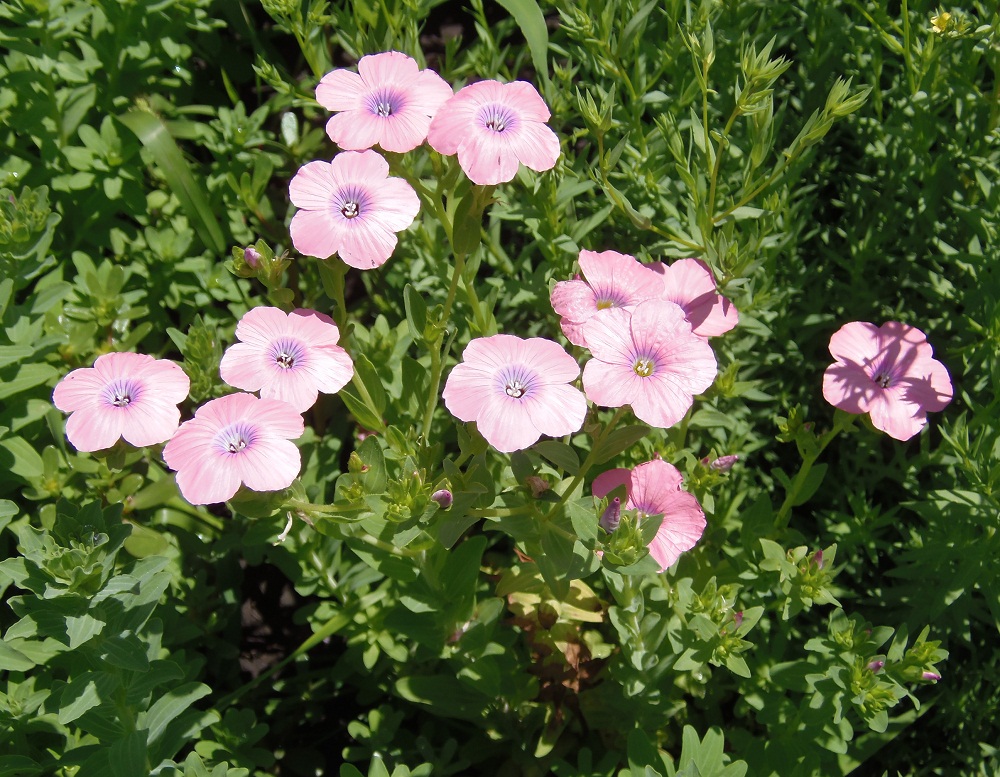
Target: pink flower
{"points": [[492, 127], [389, 101], [516, 390], [887, 372], [649, 359], [690, 284], [610, 280], [232, 440], [654, 488], [128, 395], [291, 356], [350, 207]]}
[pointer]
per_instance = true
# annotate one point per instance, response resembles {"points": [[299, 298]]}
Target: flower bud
{"points": [[251, 256], [612, 515], [876, 665], [818, 559], [738, 618], [724, 463], [931, 677], [443, 497]]}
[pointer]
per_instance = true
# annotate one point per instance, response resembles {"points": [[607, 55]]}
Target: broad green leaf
{"points": [[28, 376], [18, 766], [620, 440], [22, 459], [169, 706], [128, 755], [560, 454], [12, 660]]}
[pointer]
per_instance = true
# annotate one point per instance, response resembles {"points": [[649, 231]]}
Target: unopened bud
{"points": [[818, 559], [876, 665], [355, 465], [738, 618], [931, 677], [251, 256], [612, 515], [443, 497], [536, 485], [724, 463]]}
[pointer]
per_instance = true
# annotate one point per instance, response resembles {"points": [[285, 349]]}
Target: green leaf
{"points": [[444, 694], [28, 376], [529, 17], [12, 660], [128, 755], [416, 312], [560, 454], [154, 135], [369, 385], [170, 705], [18, 766], [812, 482], [365, 417], [620, 440]]}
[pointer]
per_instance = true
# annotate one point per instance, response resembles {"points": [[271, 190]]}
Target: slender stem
{"points": [[718, 158], [494, 512], [907, 53], [588, 462], [436, 360]]}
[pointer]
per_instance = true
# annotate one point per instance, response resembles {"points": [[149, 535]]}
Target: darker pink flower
{"points": [[124, 395], [236, 439], [350, 207], [389, 102], [654, 488], [610, 280], [649, 359], [888, 372], [690, 284], [493, 127], [516, 390], [290, 356]]}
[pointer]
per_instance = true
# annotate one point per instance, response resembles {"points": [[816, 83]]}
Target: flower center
{"points": [[235, 438], [350, 209], [384, 103], [643, 367], [515, 388], [882, 379], [604, 304], [121, 393], [352, 201], [286, 352], [498, 118]]}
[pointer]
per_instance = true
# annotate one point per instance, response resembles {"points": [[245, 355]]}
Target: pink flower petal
{"points": [[367, 246], [271, 467], [354, 130], [387, 67], [315, 233], [340, 90], [535, 146], [485, 159], [92, 429]]}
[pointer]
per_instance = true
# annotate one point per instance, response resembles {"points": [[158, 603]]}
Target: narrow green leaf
{"points": [[128, 755], [169, 706], [154, 135], [529, 17]]}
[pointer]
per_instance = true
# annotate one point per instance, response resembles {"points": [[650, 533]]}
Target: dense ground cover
{"points": [[829, 162]]}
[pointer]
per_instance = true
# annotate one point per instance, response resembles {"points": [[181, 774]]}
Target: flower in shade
{"points": [[493, 127], [389, 101], [516, 390], [235, 439], [610, 280], [124, 395], [654, 488], [649, 359], [690, 284], [288, 356], [888, 372], [350, 207]]}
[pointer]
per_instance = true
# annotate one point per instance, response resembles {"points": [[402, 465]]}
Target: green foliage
{"points": [[830, 162]]}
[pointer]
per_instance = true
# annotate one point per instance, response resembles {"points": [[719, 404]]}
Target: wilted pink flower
{"points": [[232, 440], [389, 101], [650, 360], [129, 395], [350, 207], [887, 372], [611, 280], [492, 127], [690, 284], [516, 390], [536, 485], [289, 356], [654, 488]]}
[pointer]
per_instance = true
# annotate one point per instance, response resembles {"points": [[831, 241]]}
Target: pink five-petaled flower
{"points": [[231, 440], [516, 390], [389, 101], [649, 359], [654, 488], [290, 356], [690, 284], [492, 127], [887, 372], [128, 395], [350, 207], [610, 280]]}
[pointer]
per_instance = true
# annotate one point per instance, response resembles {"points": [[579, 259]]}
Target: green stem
{"points": [[907, 53], [718, 159], [437, 363], [842, 421], [588, 462]]}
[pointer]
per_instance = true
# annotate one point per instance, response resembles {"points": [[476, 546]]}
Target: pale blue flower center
{"points": [[235, 438], [287, 352], [121, 392], [516, 381], [496, 117], [350, 201], [384, 102]]}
